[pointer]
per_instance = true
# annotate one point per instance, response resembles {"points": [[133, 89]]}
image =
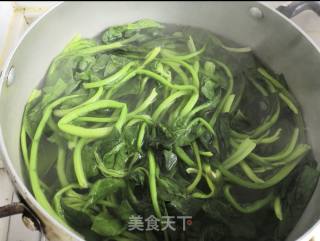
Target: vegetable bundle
{"points": [[150, 119]]}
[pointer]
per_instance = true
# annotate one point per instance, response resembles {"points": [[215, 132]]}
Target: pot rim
{"points": [[15, 178], [19, 183]]}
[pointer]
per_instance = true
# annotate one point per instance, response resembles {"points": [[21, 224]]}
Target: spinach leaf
{"points": [[170, 159], [88, 159], [296, 194], [125, 210], [74, 212], [104, 187], [169, 189], [208, 90], [106, 225], [118, 32]]}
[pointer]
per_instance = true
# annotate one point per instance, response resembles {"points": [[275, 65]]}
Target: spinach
{"points": [[125, 210], [164, 120], [103, 187], [74, 213], [170, 159], [123, 31], [295, 198], [105, 225], [89, 162]]}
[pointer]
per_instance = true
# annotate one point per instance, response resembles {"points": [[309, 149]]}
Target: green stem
{"points": [[203, 122], [166, 104], [139, 118], [34, 177], [107, 172], [258, 86], [275, 179], [173, 56], [289, 103], [143, 84], [242, 151], [227, 93], [54, 127], [193, 72], [78, 165], [283, 153], [141, 136], [153, 184], [284, 93], [192, 47], [190, 104], [97, 119], [151, 56], [165, 82], [24, 147], [267, 124], [196, 181], [64, 125], [57, 200], [227, 106], [184, 156], [94, 98], [35, 94], [250, 173], [179, 71], [278, 208], [108, 204], [270, 139], [206, 153], [145, 104], [198, 109], [120, 83], [61, 167], [248, 208], [107, 47], [207, 174], [299, 151], [133, 199]]}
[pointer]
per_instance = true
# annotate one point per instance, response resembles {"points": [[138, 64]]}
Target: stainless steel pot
{"points": [[275, 39]]}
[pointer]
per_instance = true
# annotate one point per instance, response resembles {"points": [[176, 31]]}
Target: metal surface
{"points": [[10, 76], [295, 8], [275, 40], [256, 12]]}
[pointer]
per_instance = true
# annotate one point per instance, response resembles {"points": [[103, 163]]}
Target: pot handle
{"points": [[11, 209], [295, 8], [28, 217]]}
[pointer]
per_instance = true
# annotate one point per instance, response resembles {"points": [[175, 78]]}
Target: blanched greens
{"points": [[151, 119]]}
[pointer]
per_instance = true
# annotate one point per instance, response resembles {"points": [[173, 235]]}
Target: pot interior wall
{"points": [[275, 41]]}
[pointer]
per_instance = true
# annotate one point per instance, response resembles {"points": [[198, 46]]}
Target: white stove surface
{"points": [[15, 18]]}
